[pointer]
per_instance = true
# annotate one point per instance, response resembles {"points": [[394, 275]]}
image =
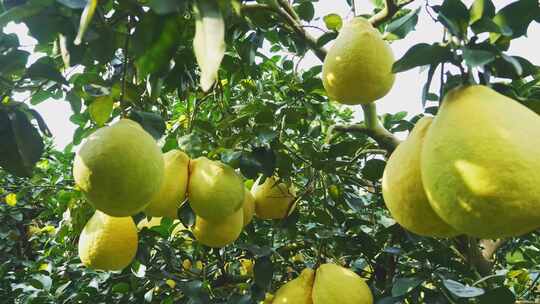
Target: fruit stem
{"points": [[370, 116]]}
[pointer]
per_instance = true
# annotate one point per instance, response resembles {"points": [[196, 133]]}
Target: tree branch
{"points": [[371, 127], [390, 9], [294, 25]]}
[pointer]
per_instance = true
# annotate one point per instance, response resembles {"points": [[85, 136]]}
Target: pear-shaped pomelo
{"points": [[480, 164], [273, 200], [249, 207], [403, 191], [119, 168], [358, 67], [174, 187], [215, 190], [221, 232], [335, 284], [297, 291], [108, 243]]}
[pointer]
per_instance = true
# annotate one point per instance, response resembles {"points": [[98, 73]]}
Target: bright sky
{"points": [[405, 95]]}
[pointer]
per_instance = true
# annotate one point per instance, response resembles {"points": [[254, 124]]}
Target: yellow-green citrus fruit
{"points": [[246, 267], [108, 243], [215, 190], [156, 221], [119, 168], [249, 207], [173, 188], [221, 232], [403, 191], [481, 166], [335, 284], [297, 291], [272, 200], [358, 67]]}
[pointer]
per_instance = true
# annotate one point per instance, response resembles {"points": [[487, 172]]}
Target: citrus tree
{"points": [[193, 79]]}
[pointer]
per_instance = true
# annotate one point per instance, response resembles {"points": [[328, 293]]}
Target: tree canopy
{"points": [[194, 75]]}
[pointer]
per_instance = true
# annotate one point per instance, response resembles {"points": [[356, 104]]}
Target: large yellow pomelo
{"points": [[215, 190], [403, 191], [335, 284], [119, 168], [108, 243], [272, 199], [173, 188], [358, 67], [221, 232], [481, 166], [249, 207], [297, 291], [156, 221]]}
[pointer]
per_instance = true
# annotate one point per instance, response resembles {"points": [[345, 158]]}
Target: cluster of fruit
{"points": [[329, 284], [473, 169], [122, 172]]}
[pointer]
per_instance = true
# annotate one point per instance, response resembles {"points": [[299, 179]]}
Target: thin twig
{"points": [[125, 66]]}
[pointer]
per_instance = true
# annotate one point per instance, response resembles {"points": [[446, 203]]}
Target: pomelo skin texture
{"points": [[108, 243], [215, 190], [249, 207], [335, 284], [119, 168], [481, 166], [403, 191], [221, 232], [358, 67], [297, 291], [173, 188], [272, 199]]}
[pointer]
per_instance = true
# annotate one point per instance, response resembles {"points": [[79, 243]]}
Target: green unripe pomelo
{"points": [[174, 187], [215, 190], [358, 67], [119, 168], [403, 191], [108, 243], [480, 164]]}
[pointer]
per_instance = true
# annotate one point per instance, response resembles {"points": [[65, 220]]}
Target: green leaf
{"points": [[121, 287], [18, 13], [45, 69], [163, 7], [21, 145], [485, 25], [263, 271], [403, 286], [515, 18], [209, 41], [422, 54], [151, 122], [333, 22], [156, 38], [481, 9], [477, 57], [374, 168], [100, 109], [512, 67], [501, 295], [454, 15], [73, 4], [13, 62], [305, 11], [462, 291], [400, 27]]}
